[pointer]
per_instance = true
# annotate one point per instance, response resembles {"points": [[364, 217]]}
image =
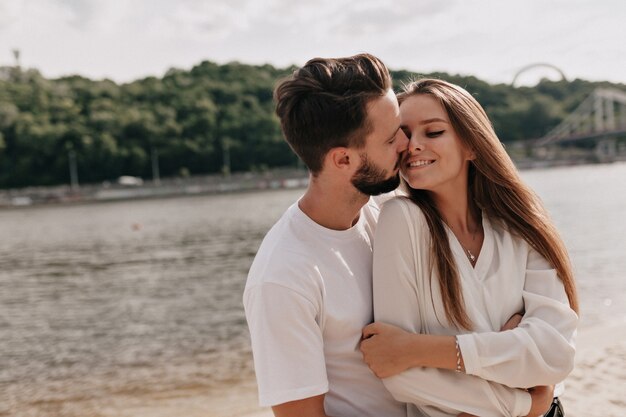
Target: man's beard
{"points": [[371, 180]]}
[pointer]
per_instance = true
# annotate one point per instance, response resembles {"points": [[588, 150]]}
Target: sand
{"points": [[597, 386]]}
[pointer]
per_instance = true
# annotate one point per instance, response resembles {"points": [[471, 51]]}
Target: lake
{"points": [[105, 304]]}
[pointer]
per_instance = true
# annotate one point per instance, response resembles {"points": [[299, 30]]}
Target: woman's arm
{"points": [[540, 351], [391, 351], [396, 258], [395, 350]]}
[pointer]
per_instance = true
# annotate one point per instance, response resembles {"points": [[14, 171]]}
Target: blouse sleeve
{"points": [[540, 351], [400, 253]]}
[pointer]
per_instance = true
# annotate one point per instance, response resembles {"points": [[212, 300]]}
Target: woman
{"points": [[469, 248]]}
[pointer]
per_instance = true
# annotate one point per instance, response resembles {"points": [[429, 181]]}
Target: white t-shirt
{"points": [[307, 299], [509, 276]]}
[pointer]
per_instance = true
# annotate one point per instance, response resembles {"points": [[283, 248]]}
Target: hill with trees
{"points": [[199, 121]]}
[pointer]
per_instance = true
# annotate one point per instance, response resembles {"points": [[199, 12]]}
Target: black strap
{"points": [[556, 409]]}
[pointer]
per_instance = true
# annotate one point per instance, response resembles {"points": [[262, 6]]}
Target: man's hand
{"points": [[513, 322], [386, 349], [541, 400]]}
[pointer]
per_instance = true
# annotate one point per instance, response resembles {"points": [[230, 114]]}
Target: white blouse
{"points": [[509, 277]]}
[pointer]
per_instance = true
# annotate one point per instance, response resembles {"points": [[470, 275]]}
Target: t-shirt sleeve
{"points": [[540, 351], [287, 344]]}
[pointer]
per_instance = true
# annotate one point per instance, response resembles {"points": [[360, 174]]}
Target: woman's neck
{"points": [[457, 211]]}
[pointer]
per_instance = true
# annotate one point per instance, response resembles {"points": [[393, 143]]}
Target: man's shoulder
{"points": [[284, 256], [290, 234]]}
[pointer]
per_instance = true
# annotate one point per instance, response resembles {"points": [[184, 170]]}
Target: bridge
{"points": [[600, 117], [538, 65]]}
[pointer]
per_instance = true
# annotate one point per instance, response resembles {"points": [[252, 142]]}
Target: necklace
{"points": [[470, 255]]}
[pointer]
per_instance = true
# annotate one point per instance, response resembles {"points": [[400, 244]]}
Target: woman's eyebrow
{"points": [[434, 119]]}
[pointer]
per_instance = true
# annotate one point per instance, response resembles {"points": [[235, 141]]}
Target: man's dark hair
{"points": [[323, 105]]}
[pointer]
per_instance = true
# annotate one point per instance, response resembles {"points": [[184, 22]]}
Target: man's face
{"points": [[380, 158]]}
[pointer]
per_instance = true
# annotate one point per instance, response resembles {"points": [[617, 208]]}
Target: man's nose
{"points": [[403, 142]]}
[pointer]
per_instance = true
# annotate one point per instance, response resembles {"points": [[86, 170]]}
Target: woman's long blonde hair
{"points": [[495, 187]]}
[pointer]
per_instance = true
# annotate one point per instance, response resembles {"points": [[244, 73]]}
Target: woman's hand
{"points": [[387, 349]]}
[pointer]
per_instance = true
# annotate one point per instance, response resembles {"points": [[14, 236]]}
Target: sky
{"points": [[492, 39]]}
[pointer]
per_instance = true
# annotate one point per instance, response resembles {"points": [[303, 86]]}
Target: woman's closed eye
{"points": [[435, 133]]}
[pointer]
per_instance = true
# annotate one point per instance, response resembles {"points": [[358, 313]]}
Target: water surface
{"points": [[140, 299]]}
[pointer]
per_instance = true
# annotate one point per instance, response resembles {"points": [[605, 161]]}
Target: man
{"points": [[308, 293]]}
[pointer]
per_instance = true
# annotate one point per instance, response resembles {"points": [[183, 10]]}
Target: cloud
{"points": [[83, 12], [124, 39], [216, 19], [185, 18], [380, 18], [9, 13]]}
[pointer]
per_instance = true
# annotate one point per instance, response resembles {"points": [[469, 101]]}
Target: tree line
{"points": [[199, 121]]}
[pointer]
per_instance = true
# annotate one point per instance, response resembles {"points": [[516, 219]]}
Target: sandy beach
{"points": [[597, 386]]}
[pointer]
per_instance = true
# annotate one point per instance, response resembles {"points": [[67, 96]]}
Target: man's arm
{"points": [[308, 407], [287, 345]]}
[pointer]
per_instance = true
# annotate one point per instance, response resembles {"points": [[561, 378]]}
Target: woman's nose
{"points": [[415, 145]]}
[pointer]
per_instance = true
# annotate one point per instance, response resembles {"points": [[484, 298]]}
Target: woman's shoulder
{"points": [[398, 203], [402, 208]]}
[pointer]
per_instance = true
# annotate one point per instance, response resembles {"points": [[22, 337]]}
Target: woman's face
{"points": [[435, 159]]}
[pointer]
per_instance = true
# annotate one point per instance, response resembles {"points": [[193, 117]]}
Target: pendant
{"points": [[471, 257]]}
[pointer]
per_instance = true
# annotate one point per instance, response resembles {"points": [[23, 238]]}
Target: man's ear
{"points": [[339, 158]]}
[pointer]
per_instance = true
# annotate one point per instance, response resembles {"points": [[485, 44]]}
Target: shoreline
{"points": [[37, 196], [63, 195]]}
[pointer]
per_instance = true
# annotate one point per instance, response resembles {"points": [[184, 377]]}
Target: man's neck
{"points": [[332, 205]]}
